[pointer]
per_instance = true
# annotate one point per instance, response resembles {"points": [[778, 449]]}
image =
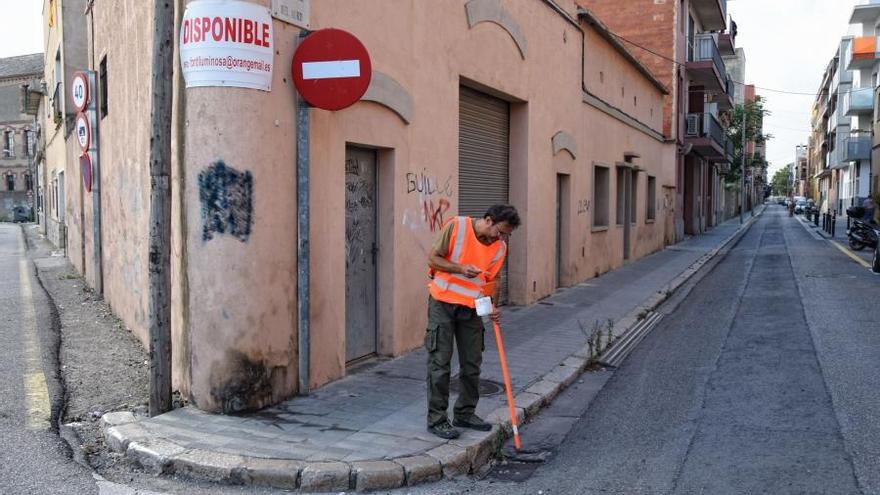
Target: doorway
{"points": [[562, 209], [361, 253]]}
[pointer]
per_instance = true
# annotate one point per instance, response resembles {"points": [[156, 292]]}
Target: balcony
{"points": [[57, 101], [705, 134], [862, 53], [705, 65], [712, 13], [856, 147], [857, 101]]}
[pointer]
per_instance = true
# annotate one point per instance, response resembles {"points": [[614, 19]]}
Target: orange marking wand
{"points": [[510, 405]]}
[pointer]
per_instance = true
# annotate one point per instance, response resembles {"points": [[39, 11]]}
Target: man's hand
{"points": [[470, 271], [495, 315]]}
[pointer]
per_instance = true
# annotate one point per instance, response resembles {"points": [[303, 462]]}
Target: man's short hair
{"points": [[503, 213]]}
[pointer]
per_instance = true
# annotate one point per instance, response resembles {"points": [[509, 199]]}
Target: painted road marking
{"points": [[851, 255], [36, 391], [331, 70]]}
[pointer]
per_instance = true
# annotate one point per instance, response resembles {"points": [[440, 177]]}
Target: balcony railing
{"points": [[705, 125], [856, 147], [57, 107], [857, 101], [706, 48]]}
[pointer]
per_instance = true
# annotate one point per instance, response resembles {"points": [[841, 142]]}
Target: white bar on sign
{"points": [[331, 70]]}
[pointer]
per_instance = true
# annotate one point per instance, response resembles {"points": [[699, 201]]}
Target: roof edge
{"points": [[605, 32]]}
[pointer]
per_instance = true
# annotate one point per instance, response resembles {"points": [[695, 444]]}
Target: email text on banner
{"points": [[227, 44]]}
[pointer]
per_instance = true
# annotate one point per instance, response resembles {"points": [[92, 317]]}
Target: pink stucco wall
{"points": [[235, 298]]}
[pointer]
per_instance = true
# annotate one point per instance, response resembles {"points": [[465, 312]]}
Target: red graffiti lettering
{"points": [[434, 214]]}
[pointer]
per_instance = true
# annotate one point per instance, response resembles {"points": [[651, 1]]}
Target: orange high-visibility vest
{"points": [[465, 249]]}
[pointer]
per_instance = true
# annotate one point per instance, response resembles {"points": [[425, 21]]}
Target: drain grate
{"points": [[488, 388]]}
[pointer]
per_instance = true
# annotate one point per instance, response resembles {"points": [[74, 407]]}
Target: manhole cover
{"points": [[487, 387]]}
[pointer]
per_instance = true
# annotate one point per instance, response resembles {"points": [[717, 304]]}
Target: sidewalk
{"points": [[839, 237], [367, 431]]}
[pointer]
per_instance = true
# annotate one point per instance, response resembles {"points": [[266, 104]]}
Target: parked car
{"points": [[21, 214], [800, 206]]}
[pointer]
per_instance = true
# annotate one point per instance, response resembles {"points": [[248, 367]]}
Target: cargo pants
{"points": [[448, 323]]}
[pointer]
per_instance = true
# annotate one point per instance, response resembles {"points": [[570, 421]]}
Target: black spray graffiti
{"points": [[227, 201]]}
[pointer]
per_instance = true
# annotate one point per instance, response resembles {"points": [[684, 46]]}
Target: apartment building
{"points": [[64, 32], [858, 104], [18, 135], [532, 102], [685, 42]]}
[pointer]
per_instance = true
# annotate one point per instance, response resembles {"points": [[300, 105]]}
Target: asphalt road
{"points": [[763, 379], [33, 459]]}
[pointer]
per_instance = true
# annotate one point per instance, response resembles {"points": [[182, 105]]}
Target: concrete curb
{"points": [[468, 454]]}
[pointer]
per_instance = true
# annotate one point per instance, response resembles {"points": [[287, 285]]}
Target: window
{"points": [[621, 195], [29, 143], [28, 182], [102, 90], [9, 144], [634, 195], [10, 182], [601, 187], [651, 212]]}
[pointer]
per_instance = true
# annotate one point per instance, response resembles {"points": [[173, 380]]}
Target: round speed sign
{"points": [[79, 91], [83, 131]]}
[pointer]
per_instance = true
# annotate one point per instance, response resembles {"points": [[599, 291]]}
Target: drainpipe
{"points": [[302, 235]]}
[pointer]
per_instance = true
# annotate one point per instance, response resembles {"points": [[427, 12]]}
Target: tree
{"points": [[781, 186], [753, 132]]}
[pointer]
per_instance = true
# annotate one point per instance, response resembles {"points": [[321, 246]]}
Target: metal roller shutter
{"points": [[483, 152]]}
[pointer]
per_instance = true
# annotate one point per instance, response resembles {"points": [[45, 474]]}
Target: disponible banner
{"points": [[227, 43]]}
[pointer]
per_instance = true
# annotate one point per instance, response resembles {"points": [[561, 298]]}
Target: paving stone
{"points": [[575, 362], [546, 389], [214, 466], [376, 475], [501, 417], [276, 473], [530, 402], [116, 418], [563, 374], [153, 454], [325, 477], [117, 438], [453, 459], [420, 469], [480, 445]]}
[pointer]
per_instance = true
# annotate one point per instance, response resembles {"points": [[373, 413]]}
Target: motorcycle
{"points": [[861, 234]]}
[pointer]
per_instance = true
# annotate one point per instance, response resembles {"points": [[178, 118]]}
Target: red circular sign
{"points": [[331, 69], [85, 165], [79, 91]]}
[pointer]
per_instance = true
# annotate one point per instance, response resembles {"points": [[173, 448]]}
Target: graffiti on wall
{"points": [[583, 206], [433, 201], [226, 196]]}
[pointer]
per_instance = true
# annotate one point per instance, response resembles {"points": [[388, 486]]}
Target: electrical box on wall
{"points": [[294, 12]]}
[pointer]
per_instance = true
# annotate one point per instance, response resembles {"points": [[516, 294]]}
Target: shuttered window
{"points": [[483, 152]]}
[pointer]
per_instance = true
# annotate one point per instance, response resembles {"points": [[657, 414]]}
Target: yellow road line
{"points": [[847, 252], [36, 391]]}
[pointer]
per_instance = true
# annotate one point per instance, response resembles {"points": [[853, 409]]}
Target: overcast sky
{"points": [[788, 43]]}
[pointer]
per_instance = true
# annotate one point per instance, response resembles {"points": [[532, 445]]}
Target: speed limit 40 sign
{"points": [[79, 91]]}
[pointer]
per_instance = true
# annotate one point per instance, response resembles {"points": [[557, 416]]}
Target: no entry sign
{"points": [[331, 69], [85, 166]]}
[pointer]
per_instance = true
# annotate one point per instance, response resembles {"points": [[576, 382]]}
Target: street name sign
{"points": [[331, 69]]}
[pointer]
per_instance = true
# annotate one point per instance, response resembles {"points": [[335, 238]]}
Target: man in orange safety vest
{"points": [[464, 265]]}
